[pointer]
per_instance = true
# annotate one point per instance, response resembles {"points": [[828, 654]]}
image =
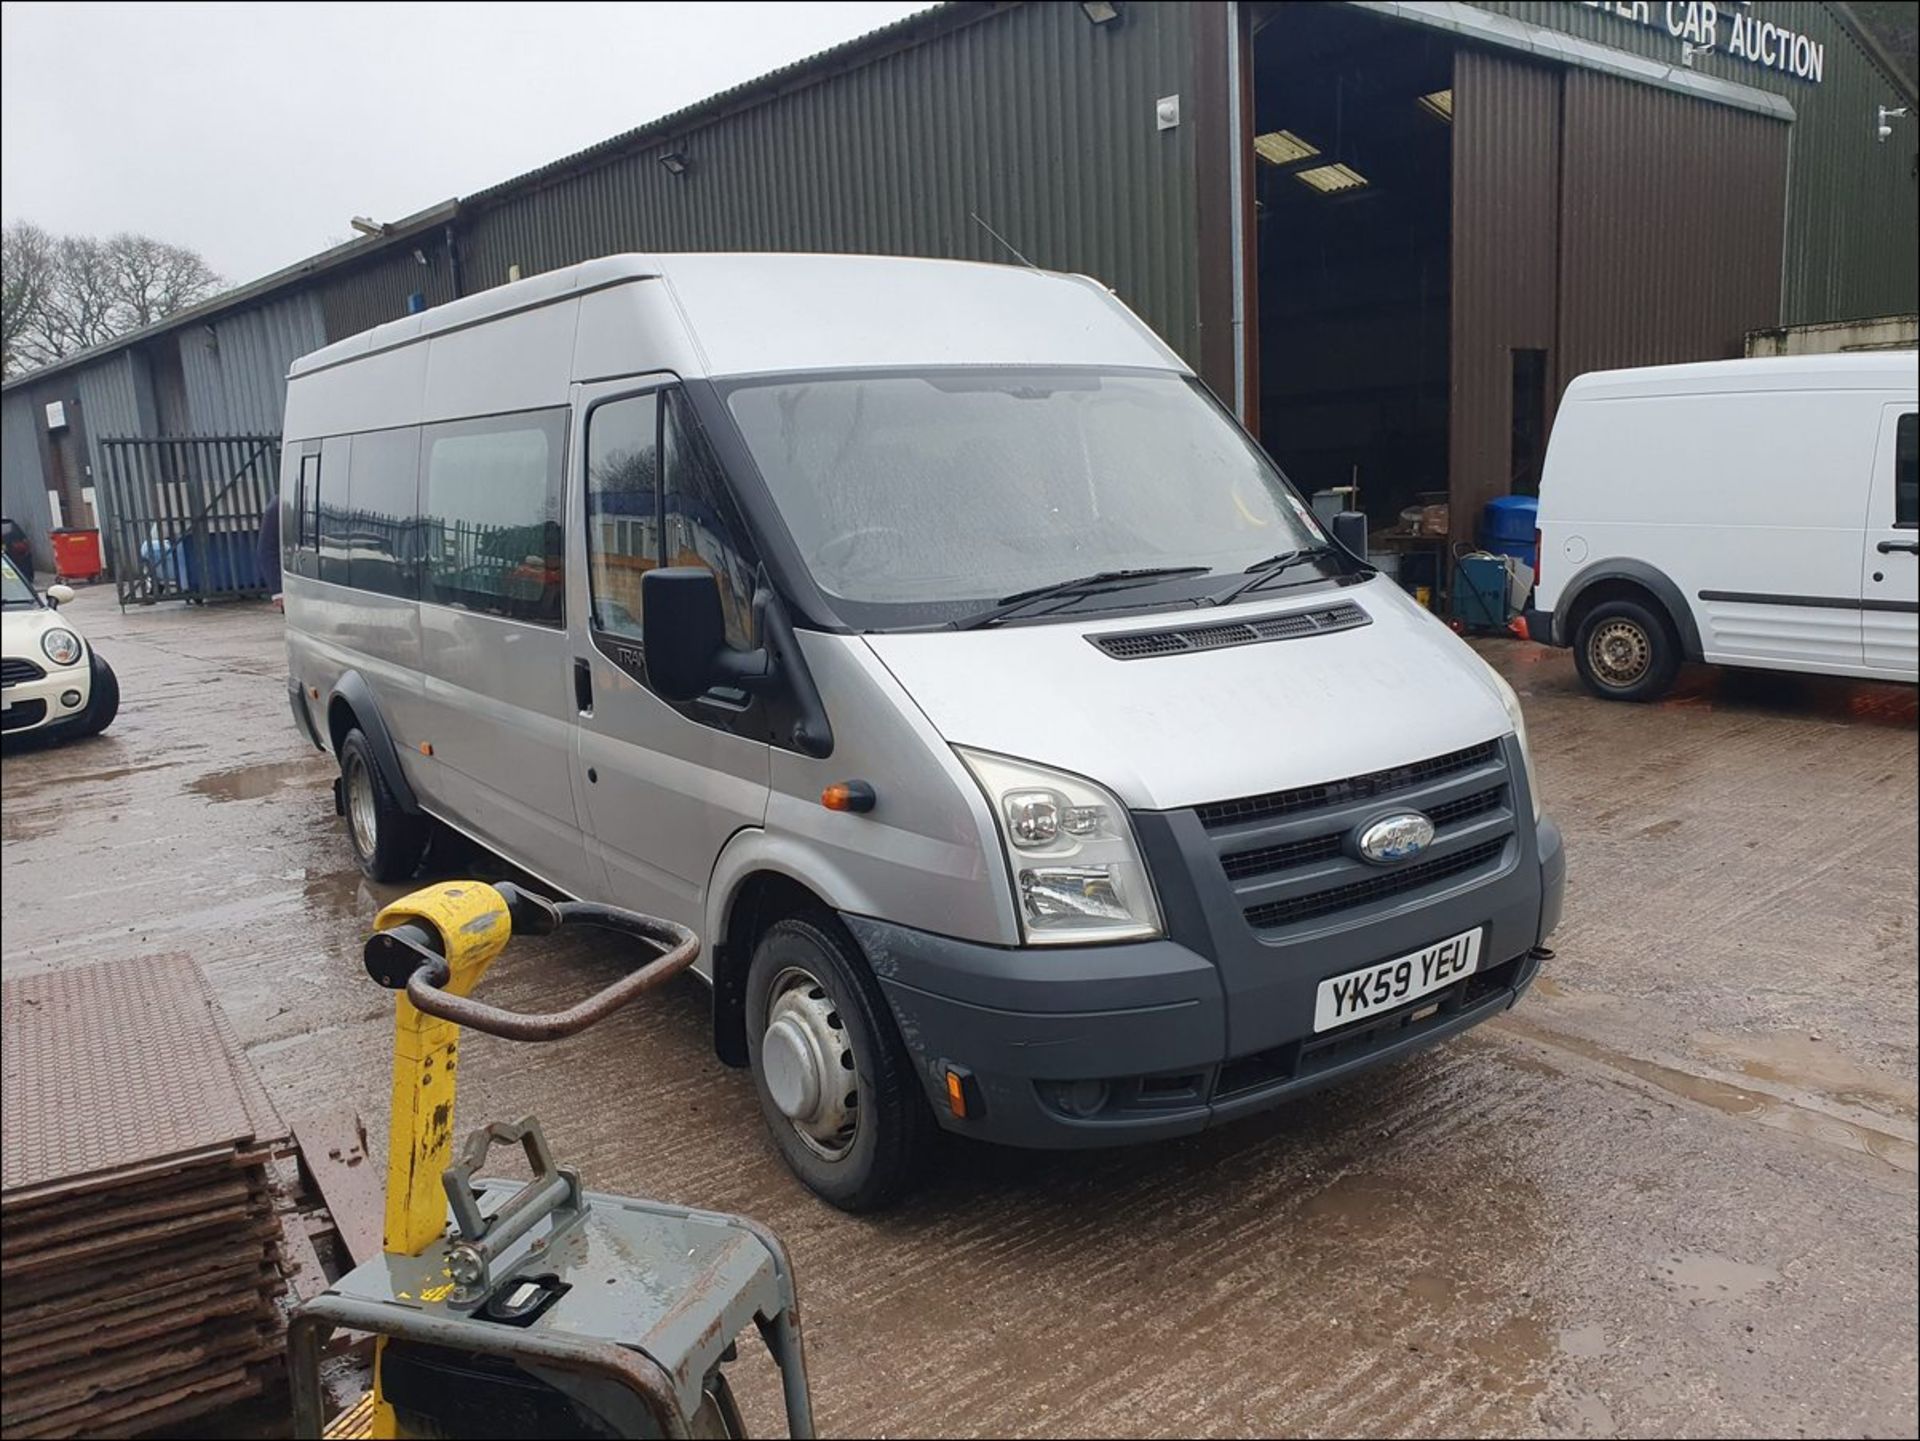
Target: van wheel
{"points": [[103, 699], [1626, 650], [386, 840], [835, 1083]]}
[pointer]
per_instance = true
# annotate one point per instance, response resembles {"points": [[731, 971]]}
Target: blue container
{"points": [[231, 561], [1507, 526], [1480, 592]]}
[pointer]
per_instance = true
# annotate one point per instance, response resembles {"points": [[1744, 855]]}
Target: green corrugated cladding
{"points": [[1029, 116], [1853, 214]]}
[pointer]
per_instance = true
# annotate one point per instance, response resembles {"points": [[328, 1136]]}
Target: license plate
{"points": [[1372, 990]]}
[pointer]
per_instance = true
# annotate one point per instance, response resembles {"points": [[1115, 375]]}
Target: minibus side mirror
{"points": [[685, 636], [1350, 533]]}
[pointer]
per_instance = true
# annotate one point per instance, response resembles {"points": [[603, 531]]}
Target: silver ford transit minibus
{"points": [[1030, 760]]}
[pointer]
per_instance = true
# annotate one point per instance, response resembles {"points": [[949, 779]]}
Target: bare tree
{"points": [[26, 280], [74, 292]]}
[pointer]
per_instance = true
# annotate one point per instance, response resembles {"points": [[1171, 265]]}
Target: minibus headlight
{"points": [[1077, 873], [1519, 719]]}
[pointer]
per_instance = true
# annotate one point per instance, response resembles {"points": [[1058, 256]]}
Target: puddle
{"points": [[1897, 1151], [1790, 1059], [1704, 1277], [250, 783]]}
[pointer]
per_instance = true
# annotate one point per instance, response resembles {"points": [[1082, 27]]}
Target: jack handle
{"points": [[409, 956]]}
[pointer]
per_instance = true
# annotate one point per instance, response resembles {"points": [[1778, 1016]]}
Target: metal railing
{"points": [[183, 514]]}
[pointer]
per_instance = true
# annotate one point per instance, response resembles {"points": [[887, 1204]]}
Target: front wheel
{"points": [[103, 699], [1626, 650], [836, 1085], [386, 840]]}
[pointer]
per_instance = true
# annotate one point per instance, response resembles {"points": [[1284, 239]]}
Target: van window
{"points": [[306, 502], [623, 508], [702, 526], [331, 513], [1906, 472], [383, 521], [490, 506], [635, 524]]}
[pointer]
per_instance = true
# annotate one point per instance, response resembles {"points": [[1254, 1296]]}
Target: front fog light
{"points": [[1077, 874], [69, 698]]}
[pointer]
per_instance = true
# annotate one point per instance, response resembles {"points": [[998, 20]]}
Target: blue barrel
{"points": [[1507, 526]]}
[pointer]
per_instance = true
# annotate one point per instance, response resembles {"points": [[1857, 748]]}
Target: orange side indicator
{"points": [[426, 748], [854, 796], [956, 1096]]}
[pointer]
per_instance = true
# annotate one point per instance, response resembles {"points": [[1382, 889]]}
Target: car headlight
{"points": [[1077, 873], [62, 646], [1519, 719]]}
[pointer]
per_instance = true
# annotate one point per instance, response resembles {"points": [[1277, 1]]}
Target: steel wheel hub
{"points": [[1620, 652], [807, 1062], [360, 812]]}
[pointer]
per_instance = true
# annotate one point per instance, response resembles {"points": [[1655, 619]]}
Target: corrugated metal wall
{"points": [[1670, 225], [355, 300], [1036, 119], [1506, 247], [22, 488], [236, 368], [1608, 223], [1853, 219]]}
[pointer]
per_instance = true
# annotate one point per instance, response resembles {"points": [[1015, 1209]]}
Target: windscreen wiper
{"points": [[1262, 571], [1066, 589]]}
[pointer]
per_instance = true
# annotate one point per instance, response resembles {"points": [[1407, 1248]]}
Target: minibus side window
{"points": [[383, 519], [623, 508], [490, 507], [702, 526], [330, 511]]}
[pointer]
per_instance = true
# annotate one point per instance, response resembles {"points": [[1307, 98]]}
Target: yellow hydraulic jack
{"points": [[539, 1309]]}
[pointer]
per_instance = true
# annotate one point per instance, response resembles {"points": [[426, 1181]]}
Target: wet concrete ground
{"points": [[1674, 1192]]}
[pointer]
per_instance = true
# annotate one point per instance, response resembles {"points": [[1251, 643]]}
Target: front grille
{"points": [[1373, 786], [1141, 645], [23, 714], [1269, 859], [15, 669], [1392, 883], [1451, 813]]}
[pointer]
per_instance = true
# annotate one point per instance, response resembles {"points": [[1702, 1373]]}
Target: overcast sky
{"points": [[253, 132]]}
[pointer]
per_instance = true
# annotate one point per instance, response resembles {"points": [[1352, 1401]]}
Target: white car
{"points": [[50, 678]]}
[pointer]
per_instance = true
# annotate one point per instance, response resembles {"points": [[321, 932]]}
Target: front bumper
{"points": [[32, 705], [1144, 1029], [1540, 627]]}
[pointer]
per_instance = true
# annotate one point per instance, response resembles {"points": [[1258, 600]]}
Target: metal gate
{"points": [[183, 514]]}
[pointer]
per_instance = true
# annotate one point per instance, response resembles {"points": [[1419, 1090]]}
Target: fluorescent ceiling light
{"points": [[1282, 147], [1440, 103], [1332, 179]]}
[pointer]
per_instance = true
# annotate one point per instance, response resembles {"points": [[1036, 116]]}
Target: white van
{"points": [[928, 639], [1745, 512]]}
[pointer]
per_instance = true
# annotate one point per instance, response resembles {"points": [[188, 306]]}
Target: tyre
{"points": [[103, 699], [1626, 650], [386, 840], [835, 1083]]}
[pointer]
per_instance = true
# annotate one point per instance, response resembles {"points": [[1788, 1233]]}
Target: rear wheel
{"points": [[386, 840], [1626, 650], [103, 699], [836, 1085]]}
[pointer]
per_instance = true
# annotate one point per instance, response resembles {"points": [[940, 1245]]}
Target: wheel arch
{"points": [[351, 704], [1627, 578]]}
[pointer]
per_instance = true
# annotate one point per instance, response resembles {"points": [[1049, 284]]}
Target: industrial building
{"points": [[1388, 233]]}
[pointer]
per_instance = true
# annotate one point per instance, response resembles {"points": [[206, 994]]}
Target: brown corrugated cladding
{"points": [[1606, 222], [1670, 226], [1853, 215], [1029, 115], [1506, 190]]}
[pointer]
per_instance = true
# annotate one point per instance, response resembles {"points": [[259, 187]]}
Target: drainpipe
{"points": [[453, 259]]}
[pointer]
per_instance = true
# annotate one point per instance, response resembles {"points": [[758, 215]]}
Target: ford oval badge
{"points": [[1396, 838]]}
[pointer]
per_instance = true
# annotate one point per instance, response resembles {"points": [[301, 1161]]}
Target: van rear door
{"points": [[662, 786], [1890, 562]]}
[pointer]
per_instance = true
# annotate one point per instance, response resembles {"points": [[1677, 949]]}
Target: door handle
{"points": [[582, 687], [1888, 547]]}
